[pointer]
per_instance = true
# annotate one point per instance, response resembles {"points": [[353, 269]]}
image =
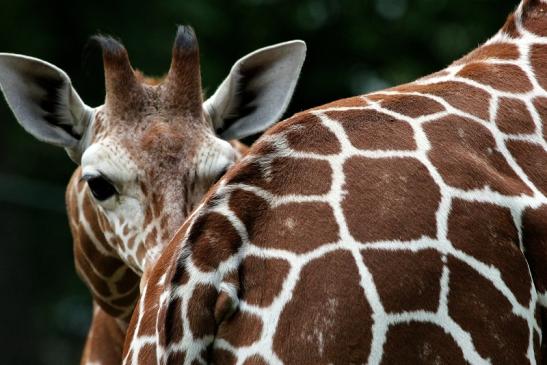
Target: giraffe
{"points": [[406, 226], [146, 156]]}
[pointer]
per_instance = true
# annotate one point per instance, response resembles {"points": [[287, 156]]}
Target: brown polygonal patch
{"points": [[142, 250], [148, 215], [328, 319], [306, 133], [91, 276], [125, 229], [147, 354], [500, 51], [539, 63], [480, 309], [376, 97], [175, 357], [420, 343], [127, 300], [356, 101], [315, 221], [284, 226], [131, 241], [465, 154], [285, 175], [99, 285], [509, 78], [513, 117], [201, 311], [147, 325], [389, 199], [262, 279], [264, 147], [242, 329], [411, 105], [488, 233], [255, 360], [371, 130], [127, 281], [406, 280], [222, 357], [533, 160], [534, 231], [464, 97], [131, 331], [533, 17], [247, 206], [105, 339], [106, 265], [173, 321], [213, 239], [540, 104], [104, 223], [510, 28]]}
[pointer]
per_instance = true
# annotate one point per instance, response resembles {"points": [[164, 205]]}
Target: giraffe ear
{"points": [[257, 91], [44, 102]]}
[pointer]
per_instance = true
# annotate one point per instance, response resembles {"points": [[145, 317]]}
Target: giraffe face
{"points": [[154, 148], [147, 173]]}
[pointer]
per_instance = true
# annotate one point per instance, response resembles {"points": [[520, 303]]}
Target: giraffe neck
{"points": [[113, 285]]}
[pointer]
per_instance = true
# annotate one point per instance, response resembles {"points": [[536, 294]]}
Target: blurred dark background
{"points": [[353, 47]]}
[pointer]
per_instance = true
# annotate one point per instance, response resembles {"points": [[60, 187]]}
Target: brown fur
{"points": [[409, 217], [513, 117], [508, 78], [104, 330], [462, 96], [498, 51], [466, 156], [376, 131]]}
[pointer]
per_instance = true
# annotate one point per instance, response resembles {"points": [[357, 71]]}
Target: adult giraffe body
{"points": [[402, 227], [147, 156]]}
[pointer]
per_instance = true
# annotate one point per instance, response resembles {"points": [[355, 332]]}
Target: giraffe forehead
{"points": [[153, 103], [164, 135], [111, 159], [151, 137]]}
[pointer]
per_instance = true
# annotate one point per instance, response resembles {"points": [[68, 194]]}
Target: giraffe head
{"points": [[153, 149]]}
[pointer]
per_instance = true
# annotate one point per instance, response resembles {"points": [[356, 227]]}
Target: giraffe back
{"points": [[403, 226]]}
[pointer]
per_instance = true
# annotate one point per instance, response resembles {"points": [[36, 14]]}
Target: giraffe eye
{"points": [[100, 187]]}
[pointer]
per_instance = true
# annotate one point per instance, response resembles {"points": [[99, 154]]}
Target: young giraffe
{"points": [[402, 227], [146, 156]]}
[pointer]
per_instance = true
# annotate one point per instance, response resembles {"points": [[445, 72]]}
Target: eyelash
{"points": [[101, 188]]}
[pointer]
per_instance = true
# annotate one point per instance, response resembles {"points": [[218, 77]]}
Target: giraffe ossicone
{"points": [[146, 156], [406, 226]]}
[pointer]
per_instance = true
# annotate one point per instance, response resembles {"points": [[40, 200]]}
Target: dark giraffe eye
{"points": [[100, 187]]}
